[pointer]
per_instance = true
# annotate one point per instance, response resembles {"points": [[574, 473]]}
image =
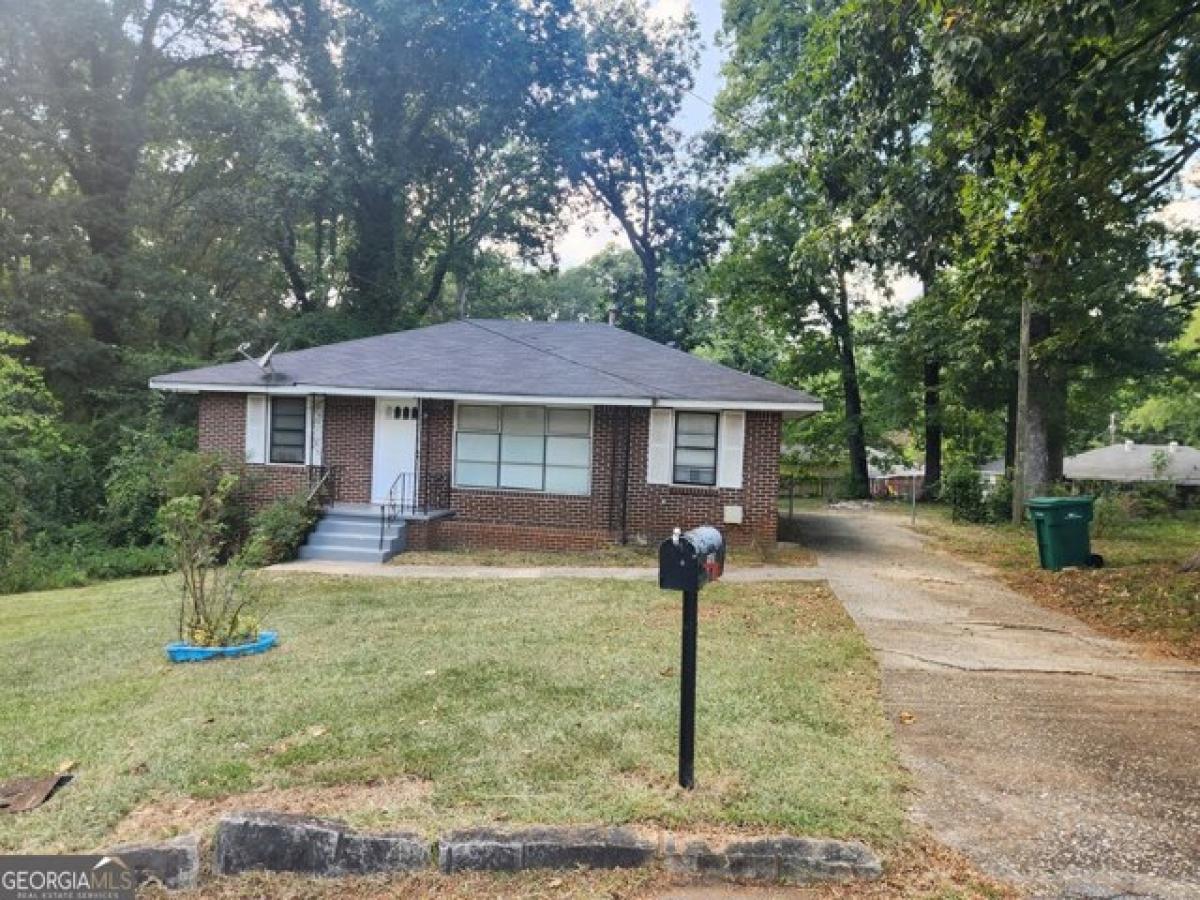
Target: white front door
{"points": [[394, 466]]}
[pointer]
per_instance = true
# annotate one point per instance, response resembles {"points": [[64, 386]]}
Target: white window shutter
{"points": [[658, 451], [256, 428], [730, 449], [316, 433]]}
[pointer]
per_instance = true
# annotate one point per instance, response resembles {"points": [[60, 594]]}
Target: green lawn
{"points": [[1139, 593], [446, 703]]}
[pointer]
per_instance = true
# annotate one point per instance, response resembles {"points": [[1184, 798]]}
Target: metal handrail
{"points": [[326, 474], [397, 500], [390, 509]]}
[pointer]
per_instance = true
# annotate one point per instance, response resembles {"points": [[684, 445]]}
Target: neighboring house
{"points": [[990, 474], [1130, 463], [892, 479], [502, 434]]}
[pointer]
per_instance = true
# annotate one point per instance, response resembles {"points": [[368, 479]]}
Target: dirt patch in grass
{"points": [[784, 553], [395, 799], [609, 556], [1139, 595]]}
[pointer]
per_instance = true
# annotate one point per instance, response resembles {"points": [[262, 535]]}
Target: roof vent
{"points": [[1173, 447], [612, 315], [1129, 446]]}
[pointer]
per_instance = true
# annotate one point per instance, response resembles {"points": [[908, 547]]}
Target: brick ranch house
{"points": [[501, 434]]}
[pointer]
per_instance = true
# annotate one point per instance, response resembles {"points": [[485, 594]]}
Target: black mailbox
{"points": [[689, 560]]}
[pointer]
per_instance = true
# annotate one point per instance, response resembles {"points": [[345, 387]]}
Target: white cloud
{"points": [[1182, 213], [587, 235], [669, 9]]}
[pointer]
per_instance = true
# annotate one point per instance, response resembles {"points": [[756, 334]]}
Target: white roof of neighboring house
{"points": [[880, 465], [1130, 462], [993, 467]]}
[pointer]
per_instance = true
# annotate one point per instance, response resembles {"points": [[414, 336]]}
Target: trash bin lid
{"points": [[1058, 502]]}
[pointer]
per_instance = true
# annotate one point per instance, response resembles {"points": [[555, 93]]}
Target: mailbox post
{"points": [[686, 562]]}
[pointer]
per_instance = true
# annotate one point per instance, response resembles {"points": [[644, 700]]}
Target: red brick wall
{"points": [[349, 436], [349, 446], [526, 520], [221, 425], [654, 509], [520, 520]]}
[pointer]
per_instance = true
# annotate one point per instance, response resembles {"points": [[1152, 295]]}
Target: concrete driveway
{"points": [[1053, 757]]}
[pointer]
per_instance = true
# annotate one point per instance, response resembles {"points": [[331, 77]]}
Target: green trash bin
{"points": [[1063, 536]]}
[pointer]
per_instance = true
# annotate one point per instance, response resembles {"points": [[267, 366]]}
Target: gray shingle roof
{"points": [[1130, 462], [503, 358]]}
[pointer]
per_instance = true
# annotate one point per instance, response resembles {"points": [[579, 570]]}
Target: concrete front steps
{"points": [[350, 533]]}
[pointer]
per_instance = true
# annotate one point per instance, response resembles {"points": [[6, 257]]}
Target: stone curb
{"points": [[277, 842], [490, 850], [174, 864], [774, 859]]}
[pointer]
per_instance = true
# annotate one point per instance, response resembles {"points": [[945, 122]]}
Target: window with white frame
{"points": [[532, 448], [289, 417], [695, 459]]}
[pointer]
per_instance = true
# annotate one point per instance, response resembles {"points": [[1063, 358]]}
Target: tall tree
{"points": [[846, 89], [789, 261], [791, 94], [1072, 119], [75, 83], [620, 144], [440, 114]]}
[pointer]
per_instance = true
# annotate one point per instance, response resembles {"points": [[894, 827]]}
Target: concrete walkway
{"points": [[504, 573], [1052, 756]]}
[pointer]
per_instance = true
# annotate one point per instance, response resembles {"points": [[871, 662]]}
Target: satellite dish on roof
{"points": [[264, 361]]}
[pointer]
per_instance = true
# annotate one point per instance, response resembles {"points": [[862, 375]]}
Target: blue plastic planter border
{"points": [[181, 651]]}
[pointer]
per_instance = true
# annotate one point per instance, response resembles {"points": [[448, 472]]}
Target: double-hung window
{"points": [[288, 419], [532, 448], [696, 448]]}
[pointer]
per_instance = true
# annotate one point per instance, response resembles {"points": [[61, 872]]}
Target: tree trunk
{"points": [[933, 426], [1045, 431], [286, 249], [856, 440], [650, 272], [371, 262], [1010, 430], [1049, 388]]}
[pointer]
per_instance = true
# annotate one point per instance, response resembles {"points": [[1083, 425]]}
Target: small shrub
{"points": [[1156, 499], [1111, 512], [198, 475], [72, 559], [961, 488], [278, 530], [136, 484], [215, 608], [998, 504]]}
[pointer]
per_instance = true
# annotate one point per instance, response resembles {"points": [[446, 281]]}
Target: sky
{"points": [[590, 234]]}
